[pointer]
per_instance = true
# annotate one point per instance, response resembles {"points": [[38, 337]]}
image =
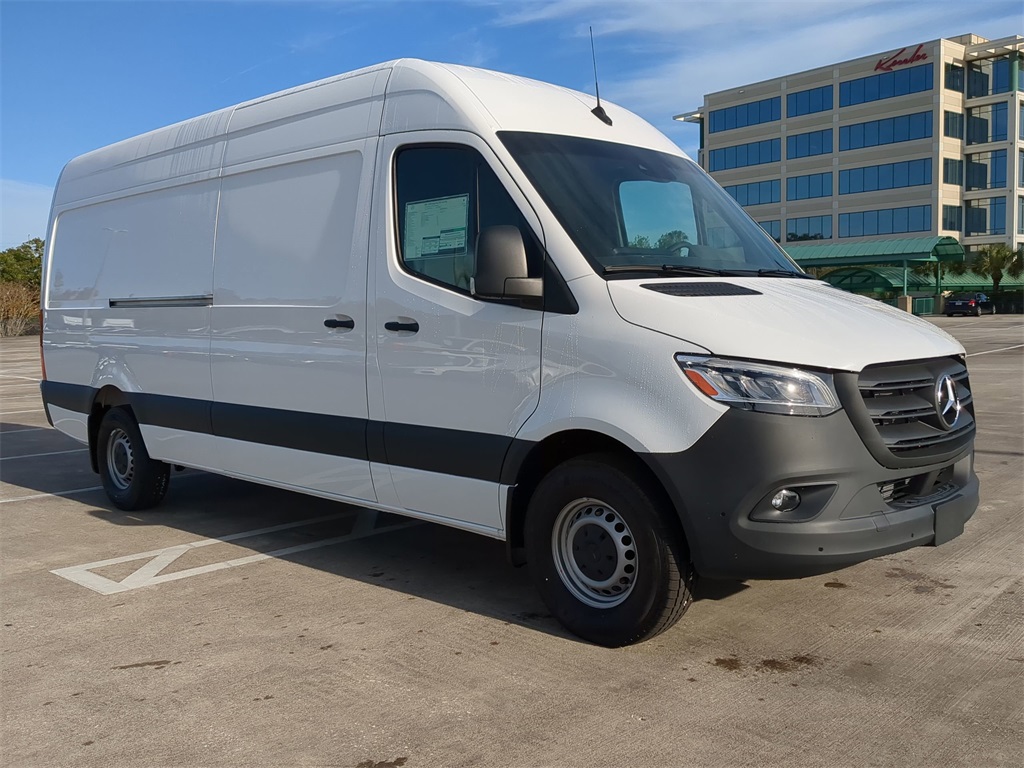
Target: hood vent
{"points": [[701, 289]]}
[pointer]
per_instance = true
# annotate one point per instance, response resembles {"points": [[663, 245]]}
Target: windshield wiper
{"points": [[666, 269], [784, 273], [771, 273]]}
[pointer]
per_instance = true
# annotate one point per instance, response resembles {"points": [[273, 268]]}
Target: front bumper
{"points": [[850, 511]]}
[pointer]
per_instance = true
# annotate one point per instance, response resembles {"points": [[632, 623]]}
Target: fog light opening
{"points": [[786, 500]]}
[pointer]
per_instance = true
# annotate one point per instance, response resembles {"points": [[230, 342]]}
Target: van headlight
{"points": [[757, 387]]}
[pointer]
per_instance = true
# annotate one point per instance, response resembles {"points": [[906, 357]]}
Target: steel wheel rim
{"points": [[120, 459], [594, 552]]}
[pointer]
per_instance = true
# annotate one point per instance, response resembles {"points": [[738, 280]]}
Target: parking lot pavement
{"points": [[241, 625]]}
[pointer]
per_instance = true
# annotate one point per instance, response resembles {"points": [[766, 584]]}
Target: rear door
{"points": [[453, 377]]}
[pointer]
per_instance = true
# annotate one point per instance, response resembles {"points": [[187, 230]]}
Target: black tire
{"points": [[640, 576], [993, 310], [132, 480], [949, 314], [977, 312]]}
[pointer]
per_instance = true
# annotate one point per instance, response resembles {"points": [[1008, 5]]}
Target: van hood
{"points": [[792, 321]]}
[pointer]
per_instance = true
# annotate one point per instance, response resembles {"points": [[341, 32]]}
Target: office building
{"points": [[925, 140]]}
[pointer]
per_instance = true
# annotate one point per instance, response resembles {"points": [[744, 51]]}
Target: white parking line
{"points": [[992, 351], [14, 413], [27, 429], [9, 376], [72, 492], [40, 455], [158, 559]]}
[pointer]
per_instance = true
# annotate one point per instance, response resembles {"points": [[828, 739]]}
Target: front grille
{"points": [[900, 400]]}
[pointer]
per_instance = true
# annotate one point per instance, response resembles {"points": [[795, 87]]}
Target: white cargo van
{"points": [[474, 299]]}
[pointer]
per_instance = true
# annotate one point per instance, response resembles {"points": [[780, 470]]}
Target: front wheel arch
{"points": [[556, 449]]}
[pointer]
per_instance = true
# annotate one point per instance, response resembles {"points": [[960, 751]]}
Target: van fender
{"points": [[112, 382]]}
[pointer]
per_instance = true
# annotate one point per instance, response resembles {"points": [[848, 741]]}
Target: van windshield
{"points": [[633, 210]]}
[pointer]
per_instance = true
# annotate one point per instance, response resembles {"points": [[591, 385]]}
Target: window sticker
{"points": [[436, 227]]}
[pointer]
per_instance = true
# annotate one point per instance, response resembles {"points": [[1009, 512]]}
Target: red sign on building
{"points": [[900, 58]]}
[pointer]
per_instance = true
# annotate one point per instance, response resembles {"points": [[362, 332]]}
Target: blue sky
{"points": [[75, 76]]}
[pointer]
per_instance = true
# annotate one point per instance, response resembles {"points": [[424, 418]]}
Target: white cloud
{"points": [[703, 46], [24, 209]]}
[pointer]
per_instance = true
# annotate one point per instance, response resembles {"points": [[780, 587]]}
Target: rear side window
{"points": [[445, 196]]}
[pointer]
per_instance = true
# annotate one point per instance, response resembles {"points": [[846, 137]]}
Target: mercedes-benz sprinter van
{"points": [[477, 300]]}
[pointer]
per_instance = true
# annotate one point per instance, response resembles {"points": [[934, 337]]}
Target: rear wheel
{"points": [[132, 480], [603, 555]]}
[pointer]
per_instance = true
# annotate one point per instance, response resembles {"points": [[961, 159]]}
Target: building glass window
{"points": [[774, 229], [742, 115], [955, 77], [756, 192], [809, 228], [742, 155], [986, 216], [985, 124], [808, 102], [1020, 215], [890, 130], [952, 171], [1020, 168], [871, 178], [986, 170], [809, 144], [953, 125], [1020, 116], [811, 185], [886, 85], [886, 221], [987, 77], [952, 218]]}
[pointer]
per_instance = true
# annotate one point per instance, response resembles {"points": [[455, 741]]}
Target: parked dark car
{"points": [[969, 304]]}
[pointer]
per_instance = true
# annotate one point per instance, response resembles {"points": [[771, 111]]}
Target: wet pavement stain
{"points": [[805, 660], [928, 584], [836, 585], [777, 666], [398, 762], [732, 664], [158, 664]]}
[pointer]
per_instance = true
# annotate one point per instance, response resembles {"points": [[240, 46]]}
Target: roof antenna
{"points": [[598, 111]]}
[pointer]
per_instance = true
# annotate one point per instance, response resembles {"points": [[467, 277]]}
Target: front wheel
{"points": [[603, 555], [132, 480]]}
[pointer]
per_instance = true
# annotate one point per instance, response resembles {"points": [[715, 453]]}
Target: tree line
{"points": [[21, 270]]}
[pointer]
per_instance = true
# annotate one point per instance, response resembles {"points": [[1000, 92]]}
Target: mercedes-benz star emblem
{"points": [[947, 404]]}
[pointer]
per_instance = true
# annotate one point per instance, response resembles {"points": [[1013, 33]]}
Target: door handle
{"points": [[342, 321], [394, 325]]}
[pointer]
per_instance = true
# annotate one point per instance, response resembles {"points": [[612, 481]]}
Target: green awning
{"points": [[891, 251], [881, 279]]}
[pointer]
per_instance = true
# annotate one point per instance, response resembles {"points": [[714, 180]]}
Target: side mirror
{"points": [[501, 266]]}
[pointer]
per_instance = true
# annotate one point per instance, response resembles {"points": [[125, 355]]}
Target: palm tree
{"points": [[996, 261]]}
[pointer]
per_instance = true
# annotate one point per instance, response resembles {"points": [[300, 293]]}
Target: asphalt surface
{"points": [[370, 641]]}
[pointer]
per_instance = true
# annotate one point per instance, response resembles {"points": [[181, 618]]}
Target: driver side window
{"points": [[445, 196]]}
